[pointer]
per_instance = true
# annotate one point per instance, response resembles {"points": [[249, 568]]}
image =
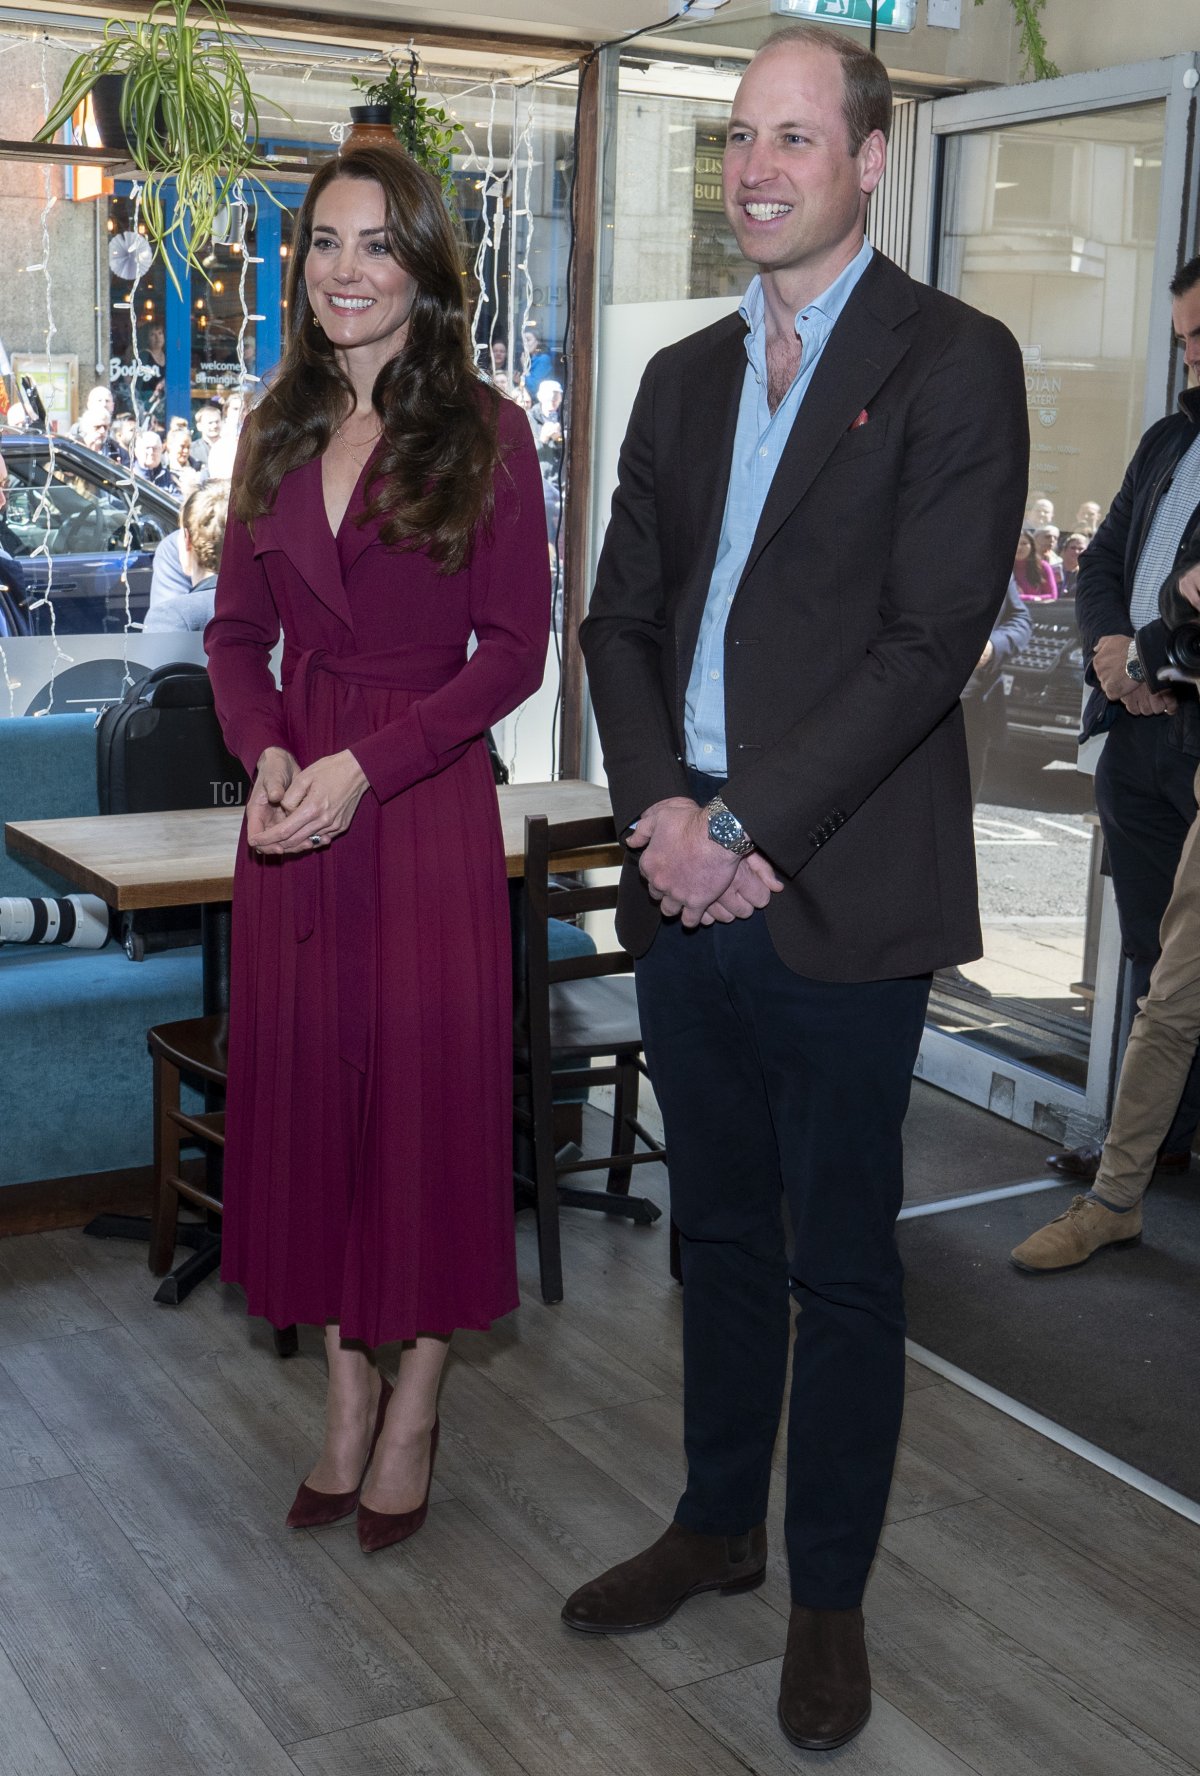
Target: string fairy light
{"points": [[43, 508]]}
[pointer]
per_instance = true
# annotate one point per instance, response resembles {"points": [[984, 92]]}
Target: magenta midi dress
{"points": [[368, 1160]]}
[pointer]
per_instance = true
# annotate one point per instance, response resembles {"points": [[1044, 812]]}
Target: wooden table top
{"points": [[186, 857]]}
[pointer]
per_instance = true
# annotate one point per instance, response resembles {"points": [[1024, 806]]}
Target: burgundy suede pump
{"points": [[312, 1509], [380, 1529]]}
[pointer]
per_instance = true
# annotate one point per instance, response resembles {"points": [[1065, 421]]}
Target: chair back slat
{"points": [[572, 968], [589, 1022]]}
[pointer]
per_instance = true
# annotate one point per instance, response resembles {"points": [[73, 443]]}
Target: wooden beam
{"points": [[580, 405], [344, 27], [64, 154], [283, 165], [336, 24]]}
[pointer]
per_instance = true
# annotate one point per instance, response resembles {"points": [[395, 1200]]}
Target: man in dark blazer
{"points": [[776, 646], [1145, 794]]}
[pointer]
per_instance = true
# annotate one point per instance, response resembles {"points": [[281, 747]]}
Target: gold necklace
{"points": [[370, 442]]}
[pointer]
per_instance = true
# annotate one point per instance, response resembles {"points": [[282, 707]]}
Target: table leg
{"points": [[216, 927]]}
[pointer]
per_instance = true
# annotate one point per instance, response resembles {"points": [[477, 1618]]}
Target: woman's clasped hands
{"points": [[291, 811]]}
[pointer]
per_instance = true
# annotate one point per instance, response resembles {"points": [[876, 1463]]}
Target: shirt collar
{"points": [[816, 320]]}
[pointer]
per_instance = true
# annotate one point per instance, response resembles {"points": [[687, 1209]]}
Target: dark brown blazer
{"points": [[877, 570]]}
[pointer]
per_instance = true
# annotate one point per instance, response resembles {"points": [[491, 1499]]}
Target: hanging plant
{"points": [[425, 129], [1034, 59], [189, 114]]}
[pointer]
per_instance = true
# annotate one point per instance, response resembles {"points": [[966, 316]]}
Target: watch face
{"points": [[727, 830]]}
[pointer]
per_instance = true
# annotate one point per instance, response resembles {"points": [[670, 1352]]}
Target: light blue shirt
{"points": [[1166, 533], [757, 448]]}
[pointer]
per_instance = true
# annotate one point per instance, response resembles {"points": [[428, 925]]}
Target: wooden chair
{"points": [[572, 1012], [199, 1048]]}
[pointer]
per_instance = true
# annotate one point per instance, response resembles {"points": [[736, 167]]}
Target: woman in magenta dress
{"points": [[387, 506]]}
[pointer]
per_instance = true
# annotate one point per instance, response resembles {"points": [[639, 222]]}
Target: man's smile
{"points": [[766, 212]]}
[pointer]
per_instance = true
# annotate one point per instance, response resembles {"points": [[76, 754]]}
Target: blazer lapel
{"points": [[707, 430], [860, 355], [299, 528]]}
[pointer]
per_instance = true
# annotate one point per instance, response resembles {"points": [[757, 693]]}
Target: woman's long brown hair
{"points": [[432, 484]]}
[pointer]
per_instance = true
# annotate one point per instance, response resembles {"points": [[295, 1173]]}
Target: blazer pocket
{"points": [[858, 441]]}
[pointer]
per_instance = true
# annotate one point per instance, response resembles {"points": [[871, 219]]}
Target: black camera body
{"points": [[1181, 645]]}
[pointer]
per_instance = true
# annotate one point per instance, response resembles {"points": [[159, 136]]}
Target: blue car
{"points": [[95, 553]]}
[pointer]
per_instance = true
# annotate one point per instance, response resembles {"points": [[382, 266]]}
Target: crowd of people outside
{"points": [[188, 458], [536, 385], [1047, 561]]}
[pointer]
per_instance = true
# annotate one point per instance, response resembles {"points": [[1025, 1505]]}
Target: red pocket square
{"points": [[862, 419]]}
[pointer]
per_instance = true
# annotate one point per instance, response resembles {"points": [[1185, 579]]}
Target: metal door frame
{"points": [[958, 1063]]}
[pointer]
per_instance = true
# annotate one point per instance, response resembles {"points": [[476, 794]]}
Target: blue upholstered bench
{"points": [[76, 1089]]}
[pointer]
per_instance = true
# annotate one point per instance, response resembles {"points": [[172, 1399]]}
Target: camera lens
{"points": [[1183, 649]]}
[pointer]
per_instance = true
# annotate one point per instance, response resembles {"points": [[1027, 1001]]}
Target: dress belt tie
{"points": [[348, 866]]}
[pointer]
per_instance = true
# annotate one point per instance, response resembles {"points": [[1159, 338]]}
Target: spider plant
{"points": [[189, 113]]}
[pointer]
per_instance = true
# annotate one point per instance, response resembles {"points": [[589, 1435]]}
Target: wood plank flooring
{"points": [[1028, 1615]]}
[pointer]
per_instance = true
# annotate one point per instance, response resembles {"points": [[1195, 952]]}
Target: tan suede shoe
{"points": [[1071, 1238]]}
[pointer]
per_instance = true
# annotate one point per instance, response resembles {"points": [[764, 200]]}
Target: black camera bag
{"points": [[161, 747]]}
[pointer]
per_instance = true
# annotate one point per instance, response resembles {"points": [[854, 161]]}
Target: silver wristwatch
{"points": [[725, 829], [1133, 665]]}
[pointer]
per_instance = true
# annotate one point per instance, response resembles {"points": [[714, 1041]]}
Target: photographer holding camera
{"points": [[1162, 1043], [1144, 790]]}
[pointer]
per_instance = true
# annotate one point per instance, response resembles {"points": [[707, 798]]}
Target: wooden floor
{"points": [[1028, 1615]]}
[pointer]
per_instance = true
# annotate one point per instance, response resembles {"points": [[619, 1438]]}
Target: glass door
{"points": [[1061, 209]]}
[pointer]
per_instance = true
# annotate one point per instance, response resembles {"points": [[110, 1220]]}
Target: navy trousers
{"points": [[1145, 797], [775, 1087]]}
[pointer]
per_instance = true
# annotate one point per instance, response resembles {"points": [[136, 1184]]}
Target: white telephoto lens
{"points": [[16, 920], [80, 922], [91, 922]]}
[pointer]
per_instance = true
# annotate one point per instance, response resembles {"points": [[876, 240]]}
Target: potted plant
{"points": [[188, 112], [424, 128]]}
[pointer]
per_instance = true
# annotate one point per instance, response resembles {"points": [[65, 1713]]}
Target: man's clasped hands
{"points": [[689, 874]]}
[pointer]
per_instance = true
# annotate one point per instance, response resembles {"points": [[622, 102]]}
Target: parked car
{"points": [[80, 514], [1045, 686]]}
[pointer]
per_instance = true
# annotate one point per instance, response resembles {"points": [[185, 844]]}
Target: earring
{"points": [[315, 321]]}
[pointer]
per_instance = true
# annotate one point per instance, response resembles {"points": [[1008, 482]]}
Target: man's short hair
{"points": [[1186, 278], [866, 89]]}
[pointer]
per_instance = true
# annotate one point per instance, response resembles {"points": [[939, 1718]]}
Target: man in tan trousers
{"points": [[1161, 1047]]}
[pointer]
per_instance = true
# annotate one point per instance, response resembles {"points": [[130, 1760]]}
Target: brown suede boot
{"points": [[644, 1591], [825, 1690], [1071, 1238]]}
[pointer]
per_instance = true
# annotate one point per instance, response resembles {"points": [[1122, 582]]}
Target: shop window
{"points": [[136, 288], [217, 316]]}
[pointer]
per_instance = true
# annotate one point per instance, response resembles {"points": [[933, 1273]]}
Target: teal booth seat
{"points": [[76, 1075]]}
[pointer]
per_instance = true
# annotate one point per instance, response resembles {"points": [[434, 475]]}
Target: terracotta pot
{"points": [[369, 123]]}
